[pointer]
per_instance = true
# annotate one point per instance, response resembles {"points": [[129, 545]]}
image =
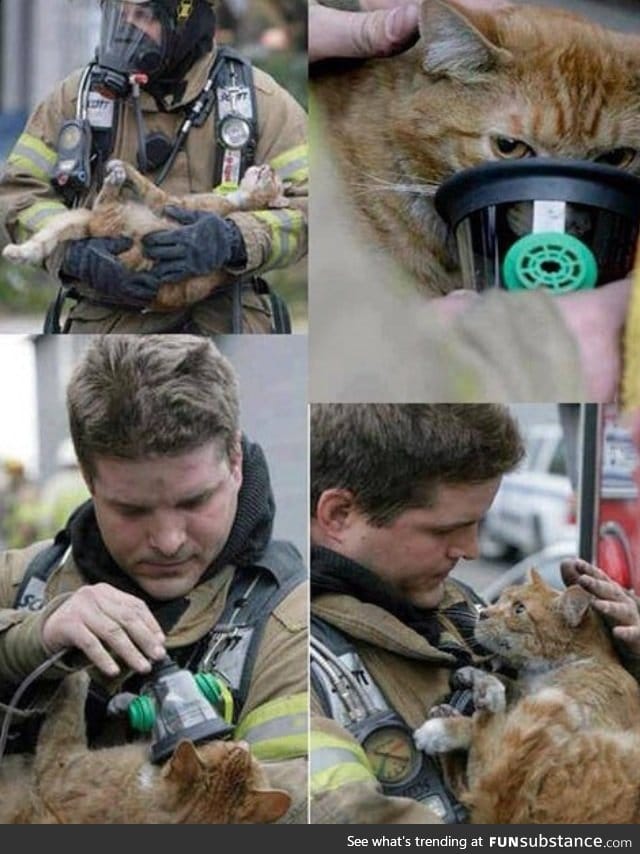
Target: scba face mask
{"points": [[135, 37], [542, 223]]}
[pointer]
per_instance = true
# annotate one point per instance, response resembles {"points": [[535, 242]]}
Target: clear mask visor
{"points": [[133, 37]]}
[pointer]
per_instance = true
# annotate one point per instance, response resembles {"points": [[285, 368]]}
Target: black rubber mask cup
{"points": [[561, 225]]}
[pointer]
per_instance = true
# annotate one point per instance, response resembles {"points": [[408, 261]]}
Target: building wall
{"points": [[41, 41]]}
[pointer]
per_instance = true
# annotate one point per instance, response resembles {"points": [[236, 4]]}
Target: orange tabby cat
{"points": [[567, 748], [129, 205], [66, 783], [478, 86]]}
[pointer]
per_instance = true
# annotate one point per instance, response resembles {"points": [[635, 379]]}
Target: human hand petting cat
{"points": [[617, 605], [102, 622], [367, 28]]}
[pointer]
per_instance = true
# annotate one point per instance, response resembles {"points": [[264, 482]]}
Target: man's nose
{"points": [[167, 533], [464, 544]]}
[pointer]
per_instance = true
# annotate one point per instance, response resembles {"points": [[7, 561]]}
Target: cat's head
{"points": [[221, 783], [516, 82], [533, 625]]}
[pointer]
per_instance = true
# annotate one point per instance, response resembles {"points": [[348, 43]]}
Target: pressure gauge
{"points": [[235, 131]]}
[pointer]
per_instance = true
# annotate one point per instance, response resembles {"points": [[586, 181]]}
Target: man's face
{"points": [[143, 18], [164, 519], [416, 552]]}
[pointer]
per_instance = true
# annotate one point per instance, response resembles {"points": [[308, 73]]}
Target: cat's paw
{"points": [[489, 695], [488, 691], [261, 187], [116, 173], [434, 737], [466, 677], [443, 710], [23, 253]]}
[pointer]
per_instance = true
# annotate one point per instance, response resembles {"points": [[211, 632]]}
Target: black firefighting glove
{"points": [[206, 243], [94, 261]]}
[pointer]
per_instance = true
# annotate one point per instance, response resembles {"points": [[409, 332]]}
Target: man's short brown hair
{"points": [[394, 456], [135, 396]]}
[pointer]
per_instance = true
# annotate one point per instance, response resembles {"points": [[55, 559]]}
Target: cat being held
{"points": [[480, 85], [130, 205], [566, 747], [66, 783]]}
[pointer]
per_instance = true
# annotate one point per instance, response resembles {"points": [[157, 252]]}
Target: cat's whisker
{"points": [[403, 189]]}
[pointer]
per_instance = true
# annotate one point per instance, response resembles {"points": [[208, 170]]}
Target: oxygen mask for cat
{"points": [[176, 704], [541, 223]]}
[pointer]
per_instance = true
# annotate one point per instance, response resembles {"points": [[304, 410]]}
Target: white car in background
{"points": [[535, 505]]}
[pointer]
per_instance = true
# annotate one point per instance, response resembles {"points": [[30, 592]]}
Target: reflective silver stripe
{"points": [[285, 725], [25, 155], [327, 757]]}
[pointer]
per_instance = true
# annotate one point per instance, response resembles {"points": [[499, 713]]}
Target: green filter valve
{"points": [[555, 262], [142, 713]]}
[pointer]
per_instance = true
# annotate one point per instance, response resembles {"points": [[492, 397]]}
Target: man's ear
{"points": [[236, 457], [88, 478], [334, 513]]}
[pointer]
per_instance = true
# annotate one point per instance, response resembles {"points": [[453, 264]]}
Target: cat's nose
{"points": [[482, 614]]}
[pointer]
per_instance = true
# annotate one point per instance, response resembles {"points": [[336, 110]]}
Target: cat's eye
{"points": [[620, 157], [518, 608], [512, 149]]}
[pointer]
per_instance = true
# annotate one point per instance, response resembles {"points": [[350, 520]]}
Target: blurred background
{"points": [[573, 494], [40, 483], [41, 41]]}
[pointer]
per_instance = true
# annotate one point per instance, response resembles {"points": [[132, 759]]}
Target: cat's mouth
{"points": [[499, 644]]}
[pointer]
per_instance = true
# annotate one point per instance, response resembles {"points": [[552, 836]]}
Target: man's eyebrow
{"points": [[201, 494], [463, 523]]}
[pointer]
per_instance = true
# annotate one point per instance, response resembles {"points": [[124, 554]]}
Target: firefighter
{"points": [[162, 96], [172, 553]]}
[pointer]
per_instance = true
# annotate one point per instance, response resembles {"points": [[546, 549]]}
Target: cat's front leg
{"points": [[489, 694], [70, 225], [120, 174]]}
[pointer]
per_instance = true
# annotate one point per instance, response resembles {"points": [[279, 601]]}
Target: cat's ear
{"points": [[185, 765], [574, 604], [267, 805], [534, 577], [459, 42]]}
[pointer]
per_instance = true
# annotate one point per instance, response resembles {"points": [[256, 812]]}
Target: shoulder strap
{"points": [[235, 97], [30, 595], [254, 594]]}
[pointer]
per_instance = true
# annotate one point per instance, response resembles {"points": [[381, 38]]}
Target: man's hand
{"points": [[207, 243], [381, 28], [102, 622], [95, 262], [596, 319], [617, 605], [366, 28]]}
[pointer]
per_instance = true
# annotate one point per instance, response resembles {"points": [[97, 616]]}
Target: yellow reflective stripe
{"points": [[292, 165], [336, 762], [39, 214], [277, 729], [287, 228], [226, 188], [31, 155]]}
